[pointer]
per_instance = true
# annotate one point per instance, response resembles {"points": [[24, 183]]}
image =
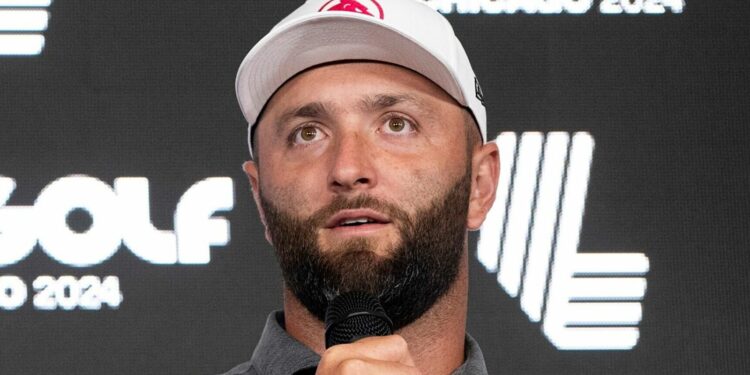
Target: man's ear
{"points": [[251, 170], [485, 169]]}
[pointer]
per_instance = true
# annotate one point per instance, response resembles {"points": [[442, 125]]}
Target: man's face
{"points": [[364, 181]]}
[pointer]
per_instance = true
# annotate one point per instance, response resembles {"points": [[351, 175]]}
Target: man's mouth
{"points": [[354, 222], [356, 218]]}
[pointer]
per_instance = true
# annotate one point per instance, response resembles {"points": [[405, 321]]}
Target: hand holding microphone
{"points": [[359, 339]]}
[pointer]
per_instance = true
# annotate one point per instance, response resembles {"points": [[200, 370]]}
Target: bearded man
{"points": [[367, 131]]}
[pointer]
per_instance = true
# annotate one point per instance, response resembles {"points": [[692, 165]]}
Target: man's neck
{"points": [[436, 339]]}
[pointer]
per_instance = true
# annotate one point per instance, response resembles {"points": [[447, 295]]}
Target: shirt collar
{"points": [[474, 364], [279, 353]]}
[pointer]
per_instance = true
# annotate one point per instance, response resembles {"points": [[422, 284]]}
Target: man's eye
{"points": [[307, 134], [398, 125]]}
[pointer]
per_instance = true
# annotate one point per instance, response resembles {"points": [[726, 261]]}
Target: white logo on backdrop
{"points": [[22, 22], [557, 6], [585, 301], [119, 215], [21, 25]]}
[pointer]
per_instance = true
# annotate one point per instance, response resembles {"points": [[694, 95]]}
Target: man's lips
{"points": [[356, 217]]}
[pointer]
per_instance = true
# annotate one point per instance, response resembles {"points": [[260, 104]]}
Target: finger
{"points": [[386, 348], [383, 348], [374, 366]]}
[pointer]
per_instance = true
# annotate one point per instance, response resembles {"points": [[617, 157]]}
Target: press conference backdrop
{"points": [[618, 244]]}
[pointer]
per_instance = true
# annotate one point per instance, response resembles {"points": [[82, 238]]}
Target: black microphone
{"points": [[355, 315]]}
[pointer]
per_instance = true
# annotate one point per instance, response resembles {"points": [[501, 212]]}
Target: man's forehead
{"points": [[363, 85]]}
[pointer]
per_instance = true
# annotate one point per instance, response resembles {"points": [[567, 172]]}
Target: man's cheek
{"points": [[291, 198]]}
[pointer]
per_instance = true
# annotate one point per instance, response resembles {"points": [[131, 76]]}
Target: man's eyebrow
{"points": [[382, 101], [310, 110]]}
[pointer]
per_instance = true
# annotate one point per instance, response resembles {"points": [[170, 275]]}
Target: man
{"points": [[368, 131]]}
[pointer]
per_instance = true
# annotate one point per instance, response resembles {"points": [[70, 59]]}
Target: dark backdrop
{"points": [[146, 89]]}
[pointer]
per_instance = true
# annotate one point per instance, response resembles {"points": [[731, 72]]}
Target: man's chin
{"points": [[382, 247], [358, 270]]}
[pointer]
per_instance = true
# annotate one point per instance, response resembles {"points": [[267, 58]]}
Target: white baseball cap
{"points": [[407, 33]]}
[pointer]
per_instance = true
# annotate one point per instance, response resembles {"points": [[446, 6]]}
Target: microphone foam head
{"points": [[354, 315]]}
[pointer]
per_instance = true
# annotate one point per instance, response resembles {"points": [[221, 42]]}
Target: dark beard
{"points": [[408, 281]]}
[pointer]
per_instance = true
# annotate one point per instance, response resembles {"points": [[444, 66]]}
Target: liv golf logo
{"points": [[584, 301], [120, 215]]}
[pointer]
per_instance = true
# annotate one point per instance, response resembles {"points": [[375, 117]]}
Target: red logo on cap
{"points": [[367, 7]]}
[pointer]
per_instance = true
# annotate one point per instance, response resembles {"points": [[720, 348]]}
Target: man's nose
{"points": [[352, 167]]}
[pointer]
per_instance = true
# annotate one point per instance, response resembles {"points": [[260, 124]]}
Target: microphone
{"points": [[355, 315]]}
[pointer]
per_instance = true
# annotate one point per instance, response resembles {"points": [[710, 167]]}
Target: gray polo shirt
{"points": [[277, 353]]}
